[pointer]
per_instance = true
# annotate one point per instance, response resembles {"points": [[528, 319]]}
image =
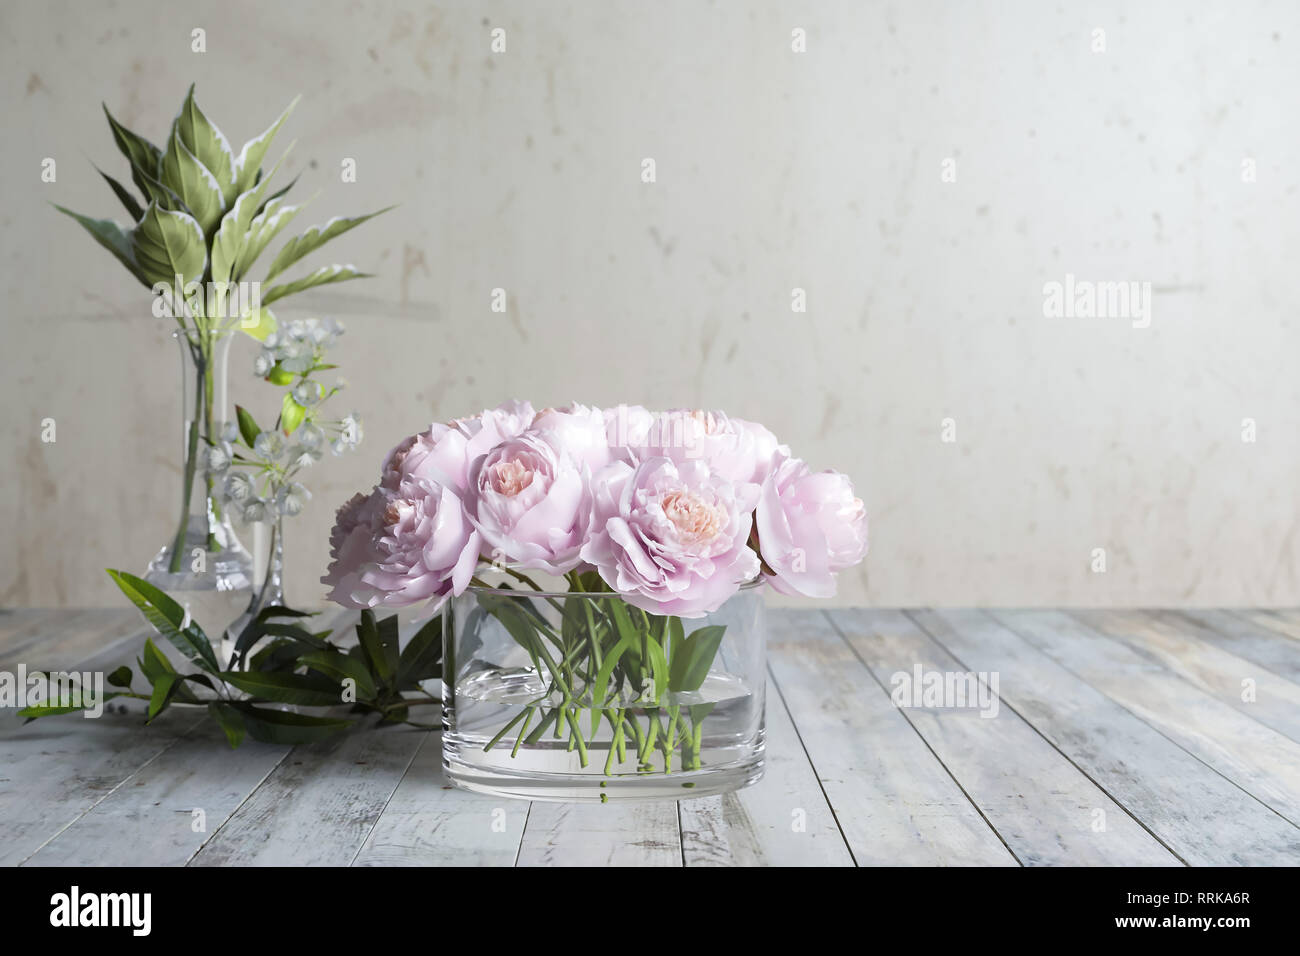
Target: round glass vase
{"points": [[202, 565], [575, 696]]}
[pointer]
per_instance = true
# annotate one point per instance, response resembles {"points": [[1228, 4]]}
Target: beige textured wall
{"points": [[776, 170]]}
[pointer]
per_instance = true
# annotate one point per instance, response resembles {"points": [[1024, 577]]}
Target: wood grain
{"points": [[338, 786], [1046, 809], [894, 800], [783, 820], [427, 822]]}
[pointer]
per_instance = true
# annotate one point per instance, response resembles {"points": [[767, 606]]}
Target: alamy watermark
{"points": [[957, 690], [84, 691], [1084, 299]]}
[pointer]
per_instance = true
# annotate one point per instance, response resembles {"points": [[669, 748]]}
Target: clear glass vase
{"points": [[267, 590], [577, 696], [202, 565]]}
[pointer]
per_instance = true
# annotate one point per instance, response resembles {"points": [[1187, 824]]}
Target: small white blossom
{"points": [[269, 445], [237, 486]]}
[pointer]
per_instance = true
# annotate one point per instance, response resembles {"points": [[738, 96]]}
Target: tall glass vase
{"points": [[202, 565], [268, 584]]}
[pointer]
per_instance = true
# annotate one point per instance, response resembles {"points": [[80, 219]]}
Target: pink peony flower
{"points": [[444, 453], [671, 537], [810, 526], [400, 546], [627, 427], [528, 498], [579, 430], [734, 448]]}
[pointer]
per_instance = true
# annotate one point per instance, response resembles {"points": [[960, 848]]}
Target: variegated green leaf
{"points": [[113, 238], [313, 239], [229, 240], [143, 155], [322, 276], [262, 230], [167, 244], [128, 201], [194, 183], [208, 144], [249, 160], [231, 237]]}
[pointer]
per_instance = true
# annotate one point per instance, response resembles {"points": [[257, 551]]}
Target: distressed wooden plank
{"points": [[602, 834], [1172, 642], [319, 805], [1043, 806], [1241, 636], [894, 800], [783, 820], [428, 822], [1283, 621], [148, 819], [1260, 760], [57, 638], [1200, 815], [56, 769], [13, 620]]}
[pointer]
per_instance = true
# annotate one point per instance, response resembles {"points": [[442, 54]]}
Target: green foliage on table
{"points": [[294, 666]]}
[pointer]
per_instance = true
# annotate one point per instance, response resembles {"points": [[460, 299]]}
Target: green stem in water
{"points": [[191, 462]]}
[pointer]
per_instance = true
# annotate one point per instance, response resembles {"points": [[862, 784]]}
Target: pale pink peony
{"points": [[810, 526], [400, 546], [733, 448], [529, 501], [670, 537], [579, 430], [444, 453]]}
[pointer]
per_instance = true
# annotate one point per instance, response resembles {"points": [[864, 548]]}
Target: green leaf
{"points": [[229, 262], [601, 683], [283, 727], [166, 616], [258, 324], [372, 646], [658, 667], [143, 155], [422, 654], [693, 659], [313, 239], [310, 690], [231, 721], [322, 276], [249, 160], [208, 145], [194, 183], [120, 677], [291, 414], [228, 243], [51, 709], [248, 429], [163, 689], [266, 225], [114, 238], [153, 663], [167, 244], [132, 206], [389, 642], [278, 193], [278, 376], [340, 667]]}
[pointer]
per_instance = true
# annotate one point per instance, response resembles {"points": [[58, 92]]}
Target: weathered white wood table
{"points": [[1121, 738]]}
